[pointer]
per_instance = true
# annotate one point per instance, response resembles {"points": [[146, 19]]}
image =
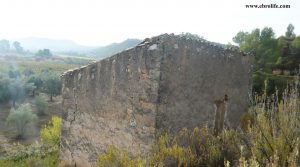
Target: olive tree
{"points": [[21, 118], [52, 85], [16, 91]]}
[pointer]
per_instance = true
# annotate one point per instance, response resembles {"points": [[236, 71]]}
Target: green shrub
{"points": [[270, 137], [48, 160], [41, 105], [198, 147], [50, 134], [21, 117], [114, 157], [273, 137], [169, 153], [45, 154]]}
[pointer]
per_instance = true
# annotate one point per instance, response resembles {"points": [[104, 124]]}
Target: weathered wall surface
{"points": [[193, 76], [164, 84]]}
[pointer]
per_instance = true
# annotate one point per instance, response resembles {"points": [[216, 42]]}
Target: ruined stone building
{"points": [[165, 83]]}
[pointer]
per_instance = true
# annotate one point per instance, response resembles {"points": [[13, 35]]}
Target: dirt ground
{"points": [[8, 133]]}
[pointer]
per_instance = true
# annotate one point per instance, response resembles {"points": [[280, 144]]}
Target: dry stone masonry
{"points": [[164, 84]]}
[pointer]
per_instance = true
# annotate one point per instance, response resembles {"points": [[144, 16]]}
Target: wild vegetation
{"points": [[41, 105], [25, 81], [16, 87], [268, 134], [21, 117], [269, 137], [45, 153], [276, 58]]}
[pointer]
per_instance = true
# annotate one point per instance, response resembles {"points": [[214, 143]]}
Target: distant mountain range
{"points": [[70, 47], [114, 48], [55, 45]]}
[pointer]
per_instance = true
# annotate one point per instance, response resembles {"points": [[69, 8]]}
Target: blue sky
{"points": [[99, 22]]}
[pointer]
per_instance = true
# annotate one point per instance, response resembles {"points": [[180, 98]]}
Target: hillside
{"points": [[69, 47], [113, 48], [56, 45]]}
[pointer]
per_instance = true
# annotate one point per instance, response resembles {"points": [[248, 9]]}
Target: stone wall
{"points": [[165, 83]]}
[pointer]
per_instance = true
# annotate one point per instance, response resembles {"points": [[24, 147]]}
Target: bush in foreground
{"points": [[273, 136], [45, 154], [50, 134], [270, 137], [114, 157]]}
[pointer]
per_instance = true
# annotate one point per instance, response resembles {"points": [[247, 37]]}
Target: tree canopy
{"points": [[270, 54], [21, 117], [52, 85], [4, 45], [45, 53], [18, 47]]}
